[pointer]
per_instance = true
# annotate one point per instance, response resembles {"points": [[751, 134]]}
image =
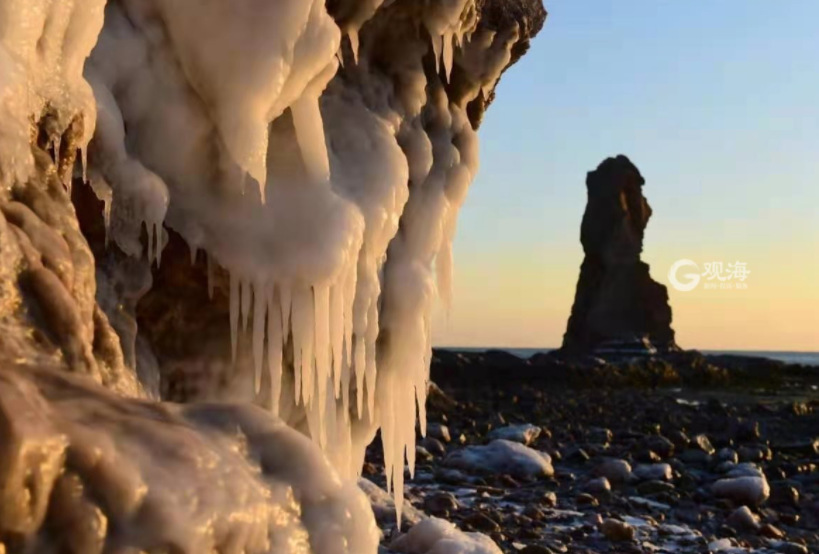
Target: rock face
{"points": [[617, 301]]}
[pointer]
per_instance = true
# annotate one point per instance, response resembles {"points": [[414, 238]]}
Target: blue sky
{"points": [[717, 103]]}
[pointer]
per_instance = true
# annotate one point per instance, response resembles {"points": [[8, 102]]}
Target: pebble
{"points": [[481, 522], [727, 455], [536, 549], [695, 456], [752, 491], [441, 503], [617, 531], [771, 532], [422, 454], [434, 446], [702, 442], [598, 486], [439, 431], [653, 472], [743, 519], [585, 499], [654, 487], [783, 493], [791, 548], [616, 471], [524, 434]]}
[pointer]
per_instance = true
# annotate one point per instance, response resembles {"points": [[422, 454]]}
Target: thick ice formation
{"points": [[43, 47], [103, 472], [334, 292], [317, 154]]}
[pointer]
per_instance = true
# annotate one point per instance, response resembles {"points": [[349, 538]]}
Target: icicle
{"points": [[274, 350], [354, 43], [246, 292], [56, 144], [303, 340], [310, 136], [158, 243], [84, 163], [210, 275], [286, 306], [149, 229], [337, 337], [321, 322], [448, 55], [106, 217], [437, 43], [259, 306], [234, 314], [370, 372], [349, 303], [359, 365]]}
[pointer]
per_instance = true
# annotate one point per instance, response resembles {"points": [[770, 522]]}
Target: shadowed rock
{"points": [[617, 302]]}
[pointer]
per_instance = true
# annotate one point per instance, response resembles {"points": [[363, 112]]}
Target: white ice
{"points": [[502, 457]]}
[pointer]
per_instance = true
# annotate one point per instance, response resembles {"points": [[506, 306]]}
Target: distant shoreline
{"points": [[785, 356]]}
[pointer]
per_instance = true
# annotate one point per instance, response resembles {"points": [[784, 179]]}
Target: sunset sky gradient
{"points": [[717, 103]]}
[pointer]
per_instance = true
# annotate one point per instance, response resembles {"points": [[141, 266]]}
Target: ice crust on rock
{"points": [[330, 196], [525, 433], [436, 536], [745, 490], [502, 457], [105, 471]]}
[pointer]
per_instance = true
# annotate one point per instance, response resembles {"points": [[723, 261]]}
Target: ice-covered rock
{"points": [[303, 172], [383, 505], [749, 490], [502, 457], [84, 468], [436, 536], [525, 433]]}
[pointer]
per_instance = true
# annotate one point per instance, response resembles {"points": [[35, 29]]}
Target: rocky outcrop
{"points": [[617, 303]]}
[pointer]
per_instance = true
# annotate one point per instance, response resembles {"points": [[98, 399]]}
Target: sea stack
{"points": [[618, 307]]}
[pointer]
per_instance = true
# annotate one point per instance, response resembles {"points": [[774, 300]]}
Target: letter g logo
{"points": [[691, 279]]}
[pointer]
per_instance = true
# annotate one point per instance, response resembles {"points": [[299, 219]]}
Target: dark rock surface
{"points": [[616, 298]]}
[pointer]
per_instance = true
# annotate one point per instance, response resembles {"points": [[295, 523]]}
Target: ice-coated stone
{"points": [[436, 536], [502, 457], [749, 490], [525, 433]]}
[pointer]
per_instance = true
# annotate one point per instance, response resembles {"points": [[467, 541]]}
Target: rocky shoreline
{"points": [[679, 453]]}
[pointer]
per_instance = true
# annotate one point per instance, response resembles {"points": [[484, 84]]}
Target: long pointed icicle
{"points": [[234, 315], [274, 350], [259, 309]]}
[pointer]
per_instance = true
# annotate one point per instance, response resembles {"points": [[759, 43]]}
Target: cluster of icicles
{"points": [[302, 212]]}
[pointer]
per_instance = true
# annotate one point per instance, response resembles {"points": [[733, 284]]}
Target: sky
{"points": [[717, 103]]}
